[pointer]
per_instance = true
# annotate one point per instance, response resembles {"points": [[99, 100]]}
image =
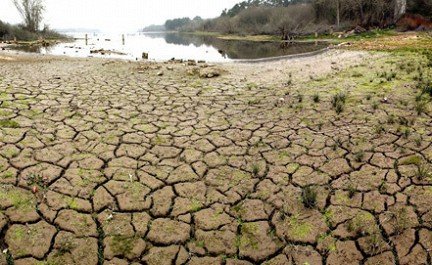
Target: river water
{"points": [[165, 46]]}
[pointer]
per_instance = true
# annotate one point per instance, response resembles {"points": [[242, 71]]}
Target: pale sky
{"points": [[117, 15]]}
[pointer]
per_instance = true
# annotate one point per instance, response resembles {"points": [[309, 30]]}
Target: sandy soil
{"points": [[300, 69], [114, 162]]}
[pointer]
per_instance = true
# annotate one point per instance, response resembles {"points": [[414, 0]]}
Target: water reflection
{"points": [[32, 48], [235, 49], [164, 46]]}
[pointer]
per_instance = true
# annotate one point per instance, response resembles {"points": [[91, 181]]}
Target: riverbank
{"points": [[318, 160], [337, 37], [379, 35]]}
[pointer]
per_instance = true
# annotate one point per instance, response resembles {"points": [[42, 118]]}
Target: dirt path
{"points": [[110, 162]]}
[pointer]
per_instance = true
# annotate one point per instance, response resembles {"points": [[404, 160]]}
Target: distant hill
{"points": [[72, 30], [154, 28]]}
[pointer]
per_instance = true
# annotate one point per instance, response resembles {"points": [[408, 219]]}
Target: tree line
{"points": [[294, 17], [175, 24]]}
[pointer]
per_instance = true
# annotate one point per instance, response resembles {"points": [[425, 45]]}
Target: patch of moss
{"points": [[298, 228], [19, 233], [328, 242], [19, 200], [248, 238], [195, 205], [4, 113], [283, 154], [238, 177], [72, 204], [51, 261], [135, 189], [9, 124], [199, 244], [411, 160], [363, 223], [122, 244], [7, 175]]}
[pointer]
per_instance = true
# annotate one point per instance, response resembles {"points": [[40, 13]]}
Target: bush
{"points": [[422, 7], [9, 32], [338, 102], [309, 197], [294, 19]]}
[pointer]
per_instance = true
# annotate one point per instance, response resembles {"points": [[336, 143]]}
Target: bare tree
{"points": [[31, 11], [337, 13], [400, 9], [331, 9], [291, 21]]}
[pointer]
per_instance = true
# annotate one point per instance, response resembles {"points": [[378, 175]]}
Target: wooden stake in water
{"points": [[123, 39], [86, 39]]}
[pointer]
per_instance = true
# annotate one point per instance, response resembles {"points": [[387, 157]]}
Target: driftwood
{"points": [[106, 52]]}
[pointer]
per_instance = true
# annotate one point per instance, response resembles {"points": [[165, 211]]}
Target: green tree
{"points": [[177, 24], [422, 7]]}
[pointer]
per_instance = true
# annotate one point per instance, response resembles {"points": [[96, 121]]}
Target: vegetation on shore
{"points": [[288, 18], [333, 38], [399, 43], [11, 32], [31, 12]]}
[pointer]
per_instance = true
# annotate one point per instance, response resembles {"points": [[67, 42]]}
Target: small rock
{"points": [[160, 73], [110, 217], [280, 102], [209, 73], [193, 71]]}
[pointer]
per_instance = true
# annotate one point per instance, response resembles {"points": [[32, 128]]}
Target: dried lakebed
{"points": [[320, 160]]}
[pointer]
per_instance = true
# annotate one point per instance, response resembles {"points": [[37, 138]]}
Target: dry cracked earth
{"points": [[107, 162]]}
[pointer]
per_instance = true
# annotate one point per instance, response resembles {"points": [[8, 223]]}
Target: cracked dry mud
{"points": [[105, 162]]}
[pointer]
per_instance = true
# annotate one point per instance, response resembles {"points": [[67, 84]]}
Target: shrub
{"points": [[338, 102], [309, 197], [9, 32], [424, 171], [300, 98], [421, 106], [358, 157]]}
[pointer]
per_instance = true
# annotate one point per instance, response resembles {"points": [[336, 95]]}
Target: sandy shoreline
{"points": [[266, 71]]}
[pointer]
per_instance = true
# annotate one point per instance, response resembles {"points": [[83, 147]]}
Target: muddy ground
{"points": [[319, 160]]}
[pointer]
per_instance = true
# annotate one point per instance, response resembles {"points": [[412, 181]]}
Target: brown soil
{"points": [[109, 162]]}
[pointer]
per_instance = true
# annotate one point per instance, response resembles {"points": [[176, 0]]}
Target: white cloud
{"points": [[118, 15]]}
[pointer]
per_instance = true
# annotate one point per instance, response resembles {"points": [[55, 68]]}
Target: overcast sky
{"points": [[117, 15]]}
